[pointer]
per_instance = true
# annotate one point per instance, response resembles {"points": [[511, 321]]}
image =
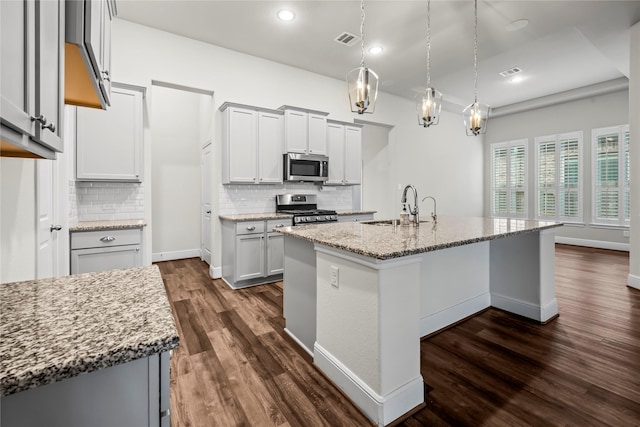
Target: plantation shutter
{"points": [[627, 201], [607, 177], [547, 179], [500, 181], [569, 178], [517, 179]]}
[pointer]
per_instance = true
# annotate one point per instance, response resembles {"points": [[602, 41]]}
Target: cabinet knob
{"points": [[50, 126], [106, 75], [55, 228], [279, 226], [137, 249], [107, 239], [251, 228], [208, 212], [41, 119]]}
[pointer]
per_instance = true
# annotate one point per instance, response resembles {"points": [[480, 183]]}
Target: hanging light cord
{"points": [[475, 52], [428, 43], [362, 16]]}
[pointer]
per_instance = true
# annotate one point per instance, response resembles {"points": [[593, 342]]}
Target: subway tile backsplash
{"points": [[98, 201], [246, 199]]}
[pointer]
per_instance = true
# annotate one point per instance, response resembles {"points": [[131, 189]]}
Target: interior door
{"points": [[47, 235], [206, 165]]}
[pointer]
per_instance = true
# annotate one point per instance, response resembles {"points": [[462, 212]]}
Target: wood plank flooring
{"points": [[236, 367]]}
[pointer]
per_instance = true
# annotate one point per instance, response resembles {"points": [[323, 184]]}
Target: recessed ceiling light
{"points": [[375, 50], [517, 79], [286, 15], [517, 25]]}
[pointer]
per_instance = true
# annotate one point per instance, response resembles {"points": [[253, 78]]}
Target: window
{"points": [[611, 175], [509, 179], [558, 177]]}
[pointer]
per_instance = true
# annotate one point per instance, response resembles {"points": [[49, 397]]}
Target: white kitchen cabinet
{"points": [[94, 251], [252, 253], [88, 52], [305, 131], [109, 142], [32, 78], [355, 217], [252, 145], [344, 149]]}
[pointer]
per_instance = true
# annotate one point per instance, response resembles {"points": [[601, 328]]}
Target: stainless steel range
{"points": [[304, 209]]}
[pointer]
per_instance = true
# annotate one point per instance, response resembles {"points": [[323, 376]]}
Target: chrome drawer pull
{"points": [[107, 239], [279, 226], [251, 228]]}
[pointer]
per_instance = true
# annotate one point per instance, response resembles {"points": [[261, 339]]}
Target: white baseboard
{"points": [[380, 409], [633, 281], [436, 321], [169, 256], [293, 337], [600, 244], [215, 272], [525, 309]]}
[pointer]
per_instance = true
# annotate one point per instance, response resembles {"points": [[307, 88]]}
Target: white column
{"points": [[634, 155]]}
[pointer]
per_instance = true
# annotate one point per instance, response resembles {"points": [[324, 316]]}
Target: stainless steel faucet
{"points": [[414, 212], [434, 214]]}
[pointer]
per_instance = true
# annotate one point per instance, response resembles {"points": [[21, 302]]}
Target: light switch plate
{"points": [[333, 276]]}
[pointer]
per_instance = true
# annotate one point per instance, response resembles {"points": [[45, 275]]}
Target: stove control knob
{"points": [[308, 219]]}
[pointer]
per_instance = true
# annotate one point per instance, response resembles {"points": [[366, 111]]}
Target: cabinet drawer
{"points": [[250, 227], [105, 238], [278, 223]]}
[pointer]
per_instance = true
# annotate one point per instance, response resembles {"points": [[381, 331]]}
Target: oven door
{"points": [[302, 167]]}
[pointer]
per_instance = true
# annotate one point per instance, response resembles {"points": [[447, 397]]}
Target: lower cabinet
{"points": [[252, 253], [93, 251]]}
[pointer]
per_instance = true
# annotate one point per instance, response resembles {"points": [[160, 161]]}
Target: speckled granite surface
{"points": [[345, 212], [384, 242], [108, 225], [254, 217], [53, 329]]}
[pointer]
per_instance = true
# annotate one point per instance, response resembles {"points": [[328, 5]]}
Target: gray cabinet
{"points": [[344, 148], [252, 253], [93, 251], [355, 217], [88, 52], [32, 78], [110, 142], [251, 145], [305, 131]]}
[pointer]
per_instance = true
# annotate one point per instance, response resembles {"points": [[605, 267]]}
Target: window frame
{"points": [[579, 135], [509, 188], [623, 184]]}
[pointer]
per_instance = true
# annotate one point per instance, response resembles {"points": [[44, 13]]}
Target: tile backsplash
{"points": [[245, 199], [97, 201]]}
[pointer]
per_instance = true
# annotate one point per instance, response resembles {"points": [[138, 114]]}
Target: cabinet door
{"points": [[249, 256], [270, 147], [15, 75], [49, 100], [105, 83], [103, 259], [275, 253], [295, 131], [242, 146], [317, 134], [352, 155], [335, 151], [109, 142]]}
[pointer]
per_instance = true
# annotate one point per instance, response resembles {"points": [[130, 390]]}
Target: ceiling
{"points": [[567, 44]]}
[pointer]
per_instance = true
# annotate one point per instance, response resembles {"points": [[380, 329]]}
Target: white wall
{"points": [[175, 170], [634, 155], [582, 115], [17, 219], [440, 161]]}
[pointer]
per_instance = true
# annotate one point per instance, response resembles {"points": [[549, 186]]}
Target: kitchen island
{"points": [[358, 296], [86, 350]]}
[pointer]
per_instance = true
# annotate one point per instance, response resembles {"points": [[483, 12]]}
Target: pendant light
{"points": [[428, 106], [476, 114], [362, 82]]}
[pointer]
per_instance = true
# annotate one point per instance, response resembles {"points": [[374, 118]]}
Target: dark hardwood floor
{"points": [[236, 367]]}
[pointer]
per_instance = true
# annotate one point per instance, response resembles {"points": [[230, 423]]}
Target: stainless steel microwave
{"points": [[305, 167]]}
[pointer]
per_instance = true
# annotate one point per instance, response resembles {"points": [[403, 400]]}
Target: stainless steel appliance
{"points": [[305, 167], [304, 209]]}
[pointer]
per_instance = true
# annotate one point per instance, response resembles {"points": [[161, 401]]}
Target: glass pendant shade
{"points": [[363, 90], [428, 107], [475, 118]]}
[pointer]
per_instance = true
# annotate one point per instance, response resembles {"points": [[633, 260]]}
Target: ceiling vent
{"points": [[511, 71], [347, 39]]}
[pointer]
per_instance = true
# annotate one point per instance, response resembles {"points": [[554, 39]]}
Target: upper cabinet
{"points": [[88, 52], [109, 142], [251, 145], [305, 131], [344, 148], [31, 77]]}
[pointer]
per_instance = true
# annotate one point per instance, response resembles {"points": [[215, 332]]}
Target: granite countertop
{"points": [[383, 241], [348, 212], [57, 328], [108, 225], [255, 217]]}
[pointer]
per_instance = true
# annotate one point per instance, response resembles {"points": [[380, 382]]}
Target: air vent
{"points": [[511, 71], [347, 39]]}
